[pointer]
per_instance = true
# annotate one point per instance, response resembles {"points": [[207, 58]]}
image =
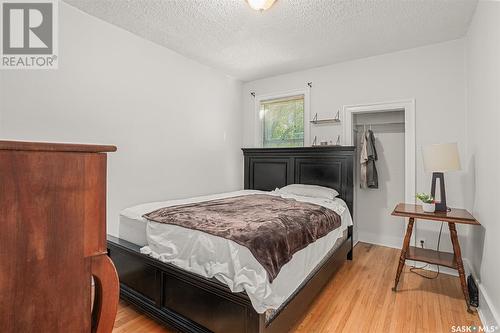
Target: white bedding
{"points": [[227, 261]]}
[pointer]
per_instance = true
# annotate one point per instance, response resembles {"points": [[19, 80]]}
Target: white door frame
{"points": [[410, 141]]}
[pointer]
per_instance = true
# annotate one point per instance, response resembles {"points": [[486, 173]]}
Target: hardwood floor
{"points": [[359, 299]]}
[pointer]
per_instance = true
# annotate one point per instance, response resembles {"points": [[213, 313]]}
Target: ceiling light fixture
{"points": [[260, 4]]}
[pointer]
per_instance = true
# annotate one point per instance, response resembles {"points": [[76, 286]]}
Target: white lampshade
{"points": [[441, 157]]}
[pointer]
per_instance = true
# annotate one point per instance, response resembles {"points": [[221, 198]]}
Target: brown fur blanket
{"points": [[271, 227]]}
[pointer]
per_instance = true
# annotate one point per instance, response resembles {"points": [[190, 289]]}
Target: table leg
{"points": [[406, 245], [107, 294], [460, 265]]}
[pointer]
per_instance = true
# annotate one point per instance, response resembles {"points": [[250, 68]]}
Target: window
{"points": [[283, 121]]}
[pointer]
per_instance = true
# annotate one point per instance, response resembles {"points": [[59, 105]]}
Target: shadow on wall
{"points": [[382, 166], [476, 234]]}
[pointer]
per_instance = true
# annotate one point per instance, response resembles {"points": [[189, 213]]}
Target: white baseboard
{"points": [[377, 239], [488, 315], [486, 311], [434, 268]]}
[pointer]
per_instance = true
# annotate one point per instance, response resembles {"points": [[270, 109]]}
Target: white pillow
{"points": [[313, 191]]}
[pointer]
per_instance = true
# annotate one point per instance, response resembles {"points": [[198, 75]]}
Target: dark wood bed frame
{"points": [[192, 303]]}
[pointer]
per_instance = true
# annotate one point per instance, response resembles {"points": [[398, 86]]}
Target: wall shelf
{"points": [[325, 121], [317, 121]]}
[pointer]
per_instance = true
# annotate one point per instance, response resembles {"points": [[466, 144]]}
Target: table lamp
{"points": [[438, 159]]}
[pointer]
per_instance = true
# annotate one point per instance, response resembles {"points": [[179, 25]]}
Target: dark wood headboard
{"points": [[269, 168]]}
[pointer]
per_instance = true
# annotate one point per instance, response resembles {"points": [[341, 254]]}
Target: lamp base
{"points": [[440, 205]]}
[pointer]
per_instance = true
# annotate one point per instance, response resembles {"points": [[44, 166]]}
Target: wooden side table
{"points": [[452, 260]]}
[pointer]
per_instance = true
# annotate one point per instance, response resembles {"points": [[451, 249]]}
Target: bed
{"points": [[197, 301]]}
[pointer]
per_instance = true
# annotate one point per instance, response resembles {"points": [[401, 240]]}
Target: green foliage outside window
{"points": [[283, 122]]}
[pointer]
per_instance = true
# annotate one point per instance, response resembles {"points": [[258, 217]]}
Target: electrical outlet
{"points": [[422, 243]]}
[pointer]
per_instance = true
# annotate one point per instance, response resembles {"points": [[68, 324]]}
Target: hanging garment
{"points": [[363, 159], [371, 153]]}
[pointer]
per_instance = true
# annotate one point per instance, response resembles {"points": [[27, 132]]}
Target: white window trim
{"points": [[259, 124]]}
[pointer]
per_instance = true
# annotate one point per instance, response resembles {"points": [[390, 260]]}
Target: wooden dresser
{"points": [[53, 239]]}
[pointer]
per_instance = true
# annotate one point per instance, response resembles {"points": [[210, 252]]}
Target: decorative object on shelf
{"points": [[335, 120], [325, 143], [428, 204], [438, 159]]}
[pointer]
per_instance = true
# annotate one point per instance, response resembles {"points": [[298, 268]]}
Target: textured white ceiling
{"points": [[292, 35]]}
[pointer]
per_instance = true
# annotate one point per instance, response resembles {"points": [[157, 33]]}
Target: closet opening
{"points": [[386, 130], [379, 138]]}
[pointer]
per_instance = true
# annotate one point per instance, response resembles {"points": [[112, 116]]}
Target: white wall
{"points": [[177, 124], [433, 75], [483, 126]]}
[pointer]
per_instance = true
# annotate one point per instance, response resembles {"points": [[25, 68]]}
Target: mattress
{"points": [[225, 260]]}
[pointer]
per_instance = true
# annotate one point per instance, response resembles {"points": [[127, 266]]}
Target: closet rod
{"points": [[376, 124], [387, 123]]}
